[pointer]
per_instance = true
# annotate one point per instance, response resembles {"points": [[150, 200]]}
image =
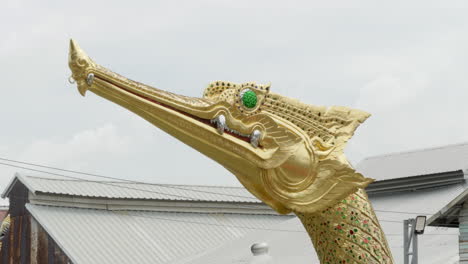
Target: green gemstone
{"points": [[249, 99]]}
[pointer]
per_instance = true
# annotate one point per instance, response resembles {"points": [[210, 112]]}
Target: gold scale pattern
{"points": [[348, 232]]}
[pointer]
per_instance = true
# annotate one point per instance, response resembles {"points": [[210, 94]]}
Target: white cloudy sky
{"points": [[406, 63]]}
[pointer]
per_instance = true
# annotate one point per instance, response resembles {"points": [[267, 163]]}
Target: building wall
{"points": [[26, 241], [43, 248], [15, 246], [463, 238]]}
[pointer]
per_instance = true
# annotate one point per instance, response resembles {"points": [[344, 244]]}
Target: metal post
{"points": [[405, 242], [410, 239], [415, 245]]}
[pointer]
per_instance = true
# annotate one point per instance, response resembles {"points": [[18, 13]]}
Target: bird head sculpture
{"points": [[286, 153]]}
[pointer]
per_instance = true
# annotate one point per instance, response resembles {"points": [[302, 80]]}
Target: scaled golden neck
{"points": [[348, 232]]}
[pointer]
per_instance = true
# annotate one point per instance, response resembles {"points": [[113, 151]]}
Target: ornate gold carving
{"points": [[80, 64], [312, 190], [298, 164], [348, 232]]}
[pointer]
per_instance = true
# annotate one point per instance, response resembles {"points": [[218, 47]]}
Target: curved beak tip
{"points": [[82, 90], [73, 46]]}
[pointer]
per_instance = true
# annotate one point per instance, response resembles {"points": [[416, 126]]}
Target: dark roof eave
{"points": [[416, 182]]}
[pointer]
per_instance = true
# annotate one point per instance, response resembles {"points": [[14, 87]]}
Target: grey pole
{"points": [[410, 239], [415, 245], [405, 242]]}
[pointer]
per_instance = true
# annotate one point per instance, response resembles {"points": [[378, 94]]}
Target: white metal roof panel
{"points": [[130, 190], [293, 247], [100, 236], [415, 163]]}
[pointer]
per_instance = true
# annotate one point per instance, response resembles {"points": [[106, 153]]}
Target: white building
{"points": [[114, 222]]}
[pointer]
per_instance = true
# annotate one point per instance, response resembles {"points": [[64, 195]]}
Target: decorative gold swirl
{"points": [[311, 189]]}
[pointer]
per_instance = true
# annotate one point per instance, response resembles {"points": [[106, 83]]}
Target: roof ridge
{"points": [[415, 150], [127, 181]]}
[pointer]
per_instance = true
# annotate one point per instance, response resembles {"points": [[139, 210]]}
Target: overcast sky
{"points": [[407, 65]]}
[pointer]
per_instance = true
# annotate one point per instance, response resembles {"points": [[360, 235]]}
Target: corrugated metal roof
{"points": [[415, 163], [101, 236], [449, 214], [129, 190]]}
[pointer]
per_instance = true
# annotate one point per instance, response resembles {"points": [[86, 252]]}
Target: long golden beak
{"points": [[186, 118], [171, 112], [88, 75]]}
